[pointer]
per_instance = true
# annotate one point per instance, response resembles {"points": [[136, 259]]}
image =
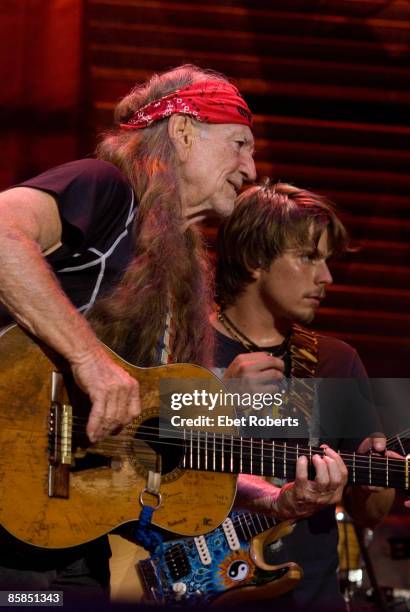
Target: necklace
{"points": [[301, 346], [247, 342]]}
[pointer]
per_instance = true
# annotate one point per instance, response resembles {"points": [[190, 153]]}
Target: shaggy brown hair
{"points": [[268, 220], [170, 265]]}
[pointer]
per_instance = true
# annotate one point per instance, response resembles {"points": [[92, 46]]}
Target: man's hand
{"points": [[114, 394], [368, 505], [377, 443], [259, 369], [304, 497]]}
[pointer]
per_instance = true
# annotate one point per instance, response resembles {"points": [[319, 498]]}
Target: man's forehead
{"points": [[311, 240], [234, 130], [243, 131]]}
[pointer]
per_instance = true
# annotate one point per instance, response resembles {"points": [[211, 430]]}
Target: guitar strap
{"points": [[144, 534], [166, 355], [304, 360]]}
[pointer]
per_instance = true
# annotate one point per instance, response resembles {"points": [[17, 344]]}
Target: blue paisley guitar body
{"points": [[223, 565]]}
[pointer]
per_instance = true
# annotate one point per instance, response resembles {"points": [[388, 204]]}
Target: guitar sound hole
{"points": [[152, 452]]}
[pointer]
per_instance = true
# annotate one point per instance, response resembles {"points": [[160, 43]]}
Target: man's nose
{"points": [[324, 276], [248, 168]]}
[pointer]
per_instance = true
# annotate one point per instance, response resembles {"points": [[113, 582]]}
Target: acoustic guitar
{"points": [[58, 490]]}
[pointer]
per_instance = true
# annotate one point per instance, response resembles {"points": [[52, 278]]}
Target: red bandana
{"points": [[207, 101]]}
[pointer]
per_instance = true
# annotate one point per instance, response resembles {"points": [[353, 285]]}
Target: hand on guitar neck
{"points": [[368, 505], [300, 498], [303, 497]]}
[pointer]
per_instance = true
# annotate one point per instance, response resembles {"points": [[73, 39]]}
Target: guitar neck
{"points": [[238, 455], [248, 525]]}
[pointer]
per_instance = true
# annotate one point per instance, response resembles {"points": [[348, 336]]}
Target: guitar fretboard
{"points": [[248, 525], [237, 455]]}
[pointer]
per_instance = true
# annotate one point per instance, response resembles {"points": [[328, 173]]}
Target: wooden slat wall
{"points": [[329, 83]]}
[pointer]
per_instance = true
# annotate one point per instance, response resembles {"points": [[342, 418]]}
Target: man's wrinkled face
{"points": [[295, 283], [219, 161]]}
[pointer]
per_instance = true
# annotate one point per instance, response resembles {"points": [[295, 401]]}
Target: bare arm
{"points": [[29, 226]]}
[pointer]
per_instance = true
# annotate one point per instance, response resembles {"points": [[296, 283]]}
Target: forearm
{"points": [[256, 494], [31, 293], [368, 508]]}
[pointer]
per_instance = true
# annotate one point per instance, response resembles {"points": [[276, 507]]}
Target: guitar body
{"points": [[104, 480], [178, 575]]}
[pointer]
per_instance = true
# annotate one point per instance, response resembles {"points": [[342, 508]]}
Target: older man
{"points": [[179, 152]]}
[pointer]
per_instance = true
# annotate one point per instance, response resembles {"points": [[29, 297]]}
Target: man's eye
{"points": [[240, 143], [308, 257]]}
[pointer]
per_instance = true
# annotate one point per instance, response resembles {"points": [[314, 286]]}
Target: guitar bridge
{"points": [[60, 436]]}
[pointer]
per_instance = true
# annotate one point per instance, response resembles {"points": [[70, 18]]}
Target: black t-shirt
{"points": [[97, 208], [313, 543]]}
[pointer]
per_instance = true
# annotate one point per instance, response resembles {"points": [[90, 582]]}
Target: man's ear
{"points": [[256, 273], [181, 132]]}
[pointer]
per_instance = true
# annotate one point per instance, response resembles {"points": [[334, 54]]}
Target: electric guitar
{"points": [[224, 566], [58, 490]]}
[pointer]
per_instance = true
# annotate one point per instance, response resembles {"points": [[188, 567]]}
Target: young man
{"points": [[179, 151], [272, 275]]}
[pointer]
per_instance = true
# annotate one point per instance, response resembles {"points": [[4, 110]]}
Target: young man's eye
{"points": [[308, 257]]}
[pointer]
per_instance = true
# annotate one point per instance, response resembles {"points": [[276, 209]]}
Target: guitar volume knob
{"points": [[179, 589]]}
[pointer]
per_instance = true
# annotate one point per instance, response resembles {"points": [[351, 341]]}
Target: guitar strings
{"points": [[178, 433], [390, 442], [173, 549], [222, 440], [395, 440], [359, 461]]}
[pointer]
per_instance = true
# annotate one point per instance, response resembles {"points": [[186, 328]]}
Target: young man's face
{"points": [[295, 283]]}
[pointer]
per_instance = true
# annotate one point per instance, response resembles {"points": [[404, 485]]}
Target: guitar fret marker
{"points": [[273, 458], [370, 467], [354, 467], [387, 470], [184, 459]]}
